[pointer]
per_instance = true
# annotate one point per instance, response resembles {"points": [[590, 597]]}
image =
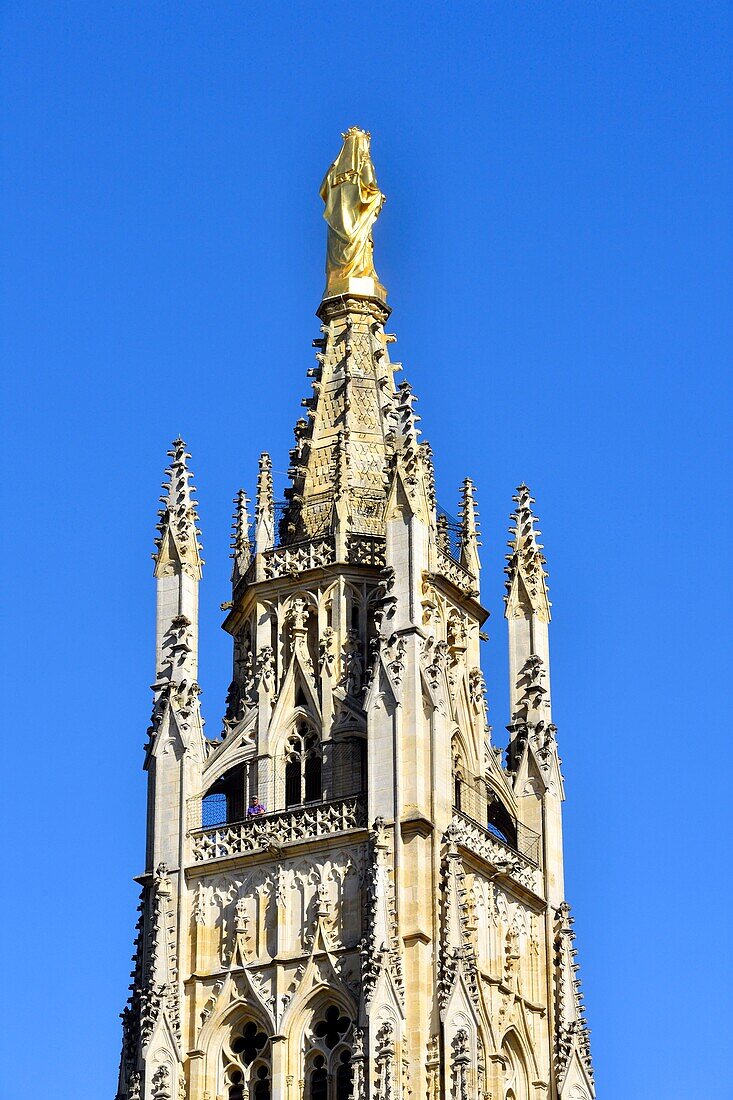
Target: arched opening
{"points": [[501, 824], [344, 1076], [261, 1085], [459, 773], [318, 1079], [303, 767], [312, 773], [329, 1069], [248, 1075], [236, 1085], [516, 1077], [348, 769], [229, 795], [292, 778]]}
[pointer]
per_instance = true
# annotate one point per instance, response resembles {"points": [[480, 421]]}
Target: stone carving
{"points": [[211, 1002], [297, 558], [571, 1028], [385, 605], [161, 1083], [258, 834], [266, 670], [327, 657], [435, 655], [199, 905], [526, 584], [177, 546], [477, 689], [366, 549], [433, 1068], [352, 665], [380, 948], [489, 847], [460, 1063], [358, 1058], [454, 572], [395, 657], [457, 953], [385, 1057]]}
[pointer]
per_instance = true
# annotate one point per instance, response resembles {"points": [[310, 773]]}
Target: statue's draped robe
{"points": [[353, 201]]}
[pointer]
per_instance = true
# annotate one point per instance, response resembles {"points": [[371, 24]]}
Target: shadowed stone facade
{"points": [[351, 893]]}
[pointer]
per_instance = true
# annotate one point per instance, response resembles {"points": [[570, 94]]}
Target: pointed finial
{"points": [[264, 507], [341, 478], [469, 529], [177, 539], [240, 544], [427, 456], [526, 576], [264, 510], [408, 431]]}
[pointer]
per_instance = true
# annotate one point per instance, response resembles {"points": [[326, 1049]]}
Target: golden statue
{"points": [[353, 202]]}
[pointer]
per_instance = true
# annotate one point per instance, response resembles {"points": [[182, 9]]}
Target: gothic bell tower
{"points": [[350, 893]]}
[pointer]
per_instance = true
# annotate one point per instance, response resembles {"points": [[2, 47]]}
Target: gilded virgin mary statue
{"points": [[353, 201]]}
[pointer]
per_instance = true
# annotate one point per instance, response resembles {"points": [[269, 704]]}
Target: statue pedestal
{"points": [[365, 287]]}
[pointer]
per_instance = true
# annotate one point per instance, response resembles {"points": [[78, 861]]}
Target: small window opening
{"points": [[344, 1076]]}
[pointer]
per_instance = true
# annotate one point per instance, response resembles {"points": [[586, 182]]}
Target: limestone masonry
{"points": [[351, 893]]}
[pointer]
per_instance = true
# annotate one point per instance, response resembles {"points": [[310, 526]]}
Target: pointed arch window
{"points": [[319, 1079], [344, 1076], [516, 1078], [459, 773], [236, 1085], [248, 1074], [303, 767], [329, 1069]]}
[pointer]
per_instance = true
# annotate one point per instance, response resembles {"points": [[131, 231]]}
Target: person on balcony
{"points": [[255, 807]]}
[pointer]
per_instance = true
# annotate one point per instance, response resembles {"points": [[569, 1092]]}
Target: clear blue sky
{"points": [[557, 248]]}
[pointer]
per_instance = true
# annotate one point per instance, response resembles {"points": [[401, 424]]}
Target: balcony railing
{"points": [[488, 846], [474, 800], [265, 831]]}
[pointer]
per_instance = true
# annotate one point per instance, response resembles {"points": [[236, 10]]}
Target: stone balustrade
{"points": [[367, 550], [453, 571], [299, 557], [487, 846], [267, 831]]}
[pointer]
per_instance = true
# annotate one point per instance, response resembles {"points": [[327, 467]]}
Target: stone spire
{"points": [[470, 530], [344, 444], [177, 543], [526, 585], [178, 565], [240, 544], [264, 512], [527, 608], [175, 744]]}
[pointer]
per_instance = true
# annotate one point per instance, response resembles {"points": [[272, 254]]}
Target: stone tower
{"points": [[351, 893]]}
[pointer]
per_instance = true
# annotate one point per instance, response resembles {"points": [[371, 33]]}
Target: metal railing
{"points": [[333, 770], [473, 798]]}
